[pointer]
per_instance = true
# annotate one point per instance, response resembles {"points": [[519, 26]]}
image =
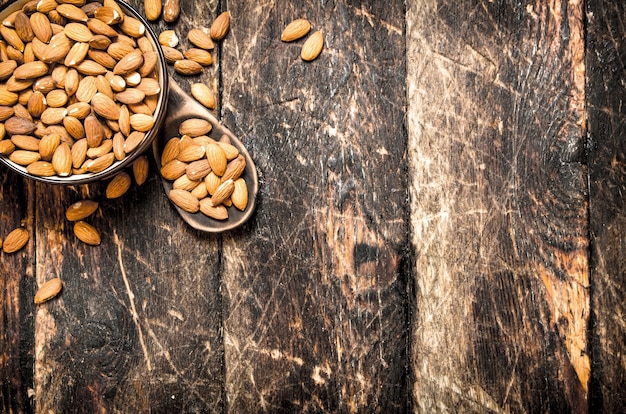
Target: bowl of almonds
{"points": [[83, 89]]}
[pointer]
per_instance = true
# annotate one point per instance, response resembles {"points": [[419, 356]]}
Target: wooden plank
{"points": [[137, 327], [499, 208], [315, 301], [606, 128], [16, 301]]}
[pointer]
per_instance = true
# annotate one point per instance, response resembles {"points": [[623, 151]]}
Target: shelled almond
{"points": [[74, 71], [206, 174]]}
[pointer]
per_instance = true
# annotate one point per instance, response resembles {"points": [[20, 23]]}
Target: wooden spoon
{"points": [[181, 107]]}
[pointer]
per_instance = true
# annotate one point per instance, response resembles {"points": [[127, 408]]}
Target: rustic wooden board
{"points": [[315, 301], [499, 212], [606, 74], [17, 285]]}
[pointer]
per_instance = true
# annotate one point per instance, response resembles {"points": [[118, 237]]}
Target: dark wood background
{"points": [[439, 228]]}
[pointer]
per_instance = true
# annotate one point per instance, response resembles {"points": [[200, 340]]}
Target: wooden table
{"points": [[439, 228]]}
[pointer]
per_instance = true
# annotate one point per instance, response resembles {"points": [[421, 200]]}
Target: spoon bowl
{"points": [[181, 107]]}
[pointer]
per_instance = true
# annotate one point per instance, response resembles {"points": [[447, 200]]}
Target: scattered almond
{"points": [[220, 26], [118, 186], [187, 67], [80, 210], [15, 240], [140, 169], [86, 233], [295, 30], [203, 94], [48, 290], [171, 10], [313, 46]]}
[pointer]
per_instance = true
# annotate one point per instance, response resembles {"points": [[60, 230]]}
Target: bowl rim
{"points": [[159, 113]]}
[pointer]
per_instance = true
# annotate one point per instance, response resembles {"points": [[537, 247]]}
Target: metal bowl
{"points": [[159, 113]]}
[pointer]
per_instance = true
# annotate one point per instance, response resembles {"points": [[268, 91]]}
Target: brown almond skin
{"points": [[295, 30], [15, 240], [87, 233], [313, 46], [80, 210], [48, 290], [220, 26], [185, 200]]}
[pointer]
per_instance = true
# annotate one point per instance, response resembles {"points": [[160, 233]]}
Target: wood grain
{"points": [[315, 299], [499, 210], [607, 157], [16, 301]]}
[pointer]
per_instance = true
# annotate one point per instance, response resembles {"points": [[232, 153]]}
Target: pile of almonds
{"points": [[206, 173], [79, 86]]}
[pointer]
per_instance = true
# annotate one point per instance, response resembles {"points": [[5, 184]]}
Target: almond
{"points": [[132, 27], [140, 169], [15, 240], [23, 157], [124, 120], [98, 27], [62, 160], [119, 50], [185, 200], [200, 39], [199, 169], [79, 152], [173, 169], [203, 94], [23, 28], [149, 86], [118, 186], [105, 106], [223, 192], [71, 12], [25, 142], [78, 32], [80, 210], [150, 60], [56, 98], [77, 54], [41, 169], [41, 26], [108, 15], [230, 150], [171, 55], [48, 290], [7, 68], [171, 10], [6, 147], [99, 42], [100, 163], [7, 98], [90, 68], [57, 49], [93, 131], [168, 38], [171, 150], [53, 116], [240, 194], [31, 70], [19, 126], [191, 153], [104, 148], [47, 145], [72, 84], [79, 110], [215, 212], [295, 30], [132, 141], [185, 183], [129, 63], [12, 38], [234, 169], [313, 46], [187, 67], [130, 96], [195, 127], [220, 26], [200, 191], [141, 122], [201, 56], [86, 89], [217, 159], [211, 181], [87, 233]]}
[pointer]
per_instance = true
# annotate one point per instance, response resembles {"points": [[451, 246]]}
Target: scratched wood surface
{"points": [[499, 206], [438, 228], [606, 75]]}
